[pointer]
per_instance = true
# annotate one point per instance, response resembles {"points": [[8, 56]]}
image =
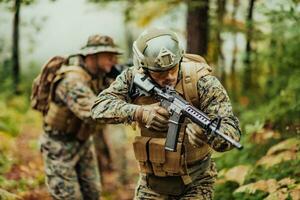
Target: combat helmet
{"points": [[157, 50]]}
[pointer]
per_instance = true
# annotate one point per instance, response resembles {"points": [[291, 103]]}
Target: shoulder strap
{"points": [[193, 68], [75, 72], [194, 57]]}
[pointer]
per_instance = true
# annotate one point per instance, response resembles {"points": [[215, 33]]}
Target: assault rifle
{"points": [[179, 109]]}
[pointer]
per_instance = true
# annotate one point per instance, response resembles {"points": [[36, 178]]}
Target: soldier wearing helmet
{"points": [[188, 173], [67, 146]]}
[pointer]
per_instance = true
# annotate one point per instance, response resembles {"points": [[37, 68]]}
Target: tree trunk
{"points": [[15, 47], [221, 10], [197, 27], [128, 28], [248, 68], [234, 54]]}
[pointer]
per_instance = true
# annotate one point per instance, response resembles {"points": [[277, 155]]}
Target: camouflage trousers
{"points": [[200, 189], [71, 169]]}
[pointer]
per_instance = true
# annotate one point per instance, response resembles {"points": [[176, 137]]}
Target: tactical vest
{"points": [[59, 117], [149, 147]]}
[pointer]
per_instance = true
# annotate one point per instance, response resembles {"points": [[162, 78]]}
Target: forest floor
{"points": [[267, 168], [272, 175], [22, 171]]}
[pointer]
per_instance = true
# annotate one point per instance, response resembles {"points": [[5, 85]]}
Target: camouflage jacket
{"points": [[114, 105]]}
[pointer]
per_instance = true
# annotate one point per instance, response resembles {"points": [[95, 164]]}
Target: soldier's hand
{"points": [[152, 116], [195, 134]]}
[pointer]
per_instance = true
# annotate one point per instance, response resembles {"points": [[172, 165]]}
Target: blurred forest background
{"points": [[253, 46]]}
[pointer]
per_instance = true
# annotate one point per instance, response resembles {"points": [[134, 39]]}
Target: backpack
{"points": [[193, 68], [41, 87]]}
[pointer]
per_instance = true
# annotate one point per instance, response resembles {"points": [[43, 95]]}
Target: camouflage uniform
{"points": [[69, 156], [200, 189], [114, 105]]}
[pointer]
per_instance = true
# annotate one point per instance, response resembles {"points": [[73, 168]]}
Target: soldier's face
{"points": [[166, 78], [105, 61]]}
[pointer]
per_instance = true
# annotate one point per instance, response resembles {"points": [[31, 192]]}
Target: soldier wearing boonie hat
{"points": [[67, 146]]}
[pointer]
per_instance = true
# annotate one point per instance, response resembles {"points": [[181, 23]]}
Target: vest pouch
{"points": [[157, 155], [174, 161], [141, 153], [170, 185], [62, 119]]}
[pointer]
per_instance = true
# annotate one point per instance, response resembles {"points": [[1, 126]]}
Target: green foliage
{"points": [[5, 1], [278, 172], [9, 4], [285, 107], [28, 75], [278, 67], [224, 190], [5, 68], [249, 155], [20, 185], [13, 109], [26, 2], [5, 163], [275, 100], [258, 195]]}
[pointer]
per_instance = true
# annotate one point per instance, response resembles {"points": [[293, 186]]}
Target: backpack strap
{"points": [[193, 68], [73, 72], [194, 57]]}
